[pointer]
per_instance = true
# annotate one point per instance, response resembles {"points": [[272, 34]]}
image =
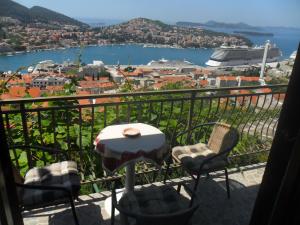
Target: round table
{"points": [[118, 150]]}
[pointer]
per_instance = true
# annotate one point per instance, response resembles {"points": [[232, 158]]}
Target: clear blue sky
{"points": [[254, 12]]}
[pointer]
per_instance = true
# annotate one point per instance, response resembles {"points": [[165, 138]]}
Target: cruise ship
{"points": [[242, 55]]}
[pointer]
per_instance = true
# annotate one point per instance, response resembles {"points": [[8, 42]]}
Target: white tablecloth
{"points": [[117, 150]]}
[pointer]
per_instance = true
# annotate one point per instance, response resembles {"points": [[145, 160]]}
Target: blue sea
{"points": [[286, 39]]}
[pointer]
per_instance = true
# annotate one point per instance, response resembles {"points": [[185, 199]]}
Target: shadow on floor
{"points": [[214, 206], [87, 214], [216, 209]]}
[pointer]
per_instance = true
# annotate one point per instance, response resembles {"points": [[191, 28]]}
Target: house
{"points": [[92, 70], [116, 76], [226, 81], [43, 82], [96, 87], [248, 81]]}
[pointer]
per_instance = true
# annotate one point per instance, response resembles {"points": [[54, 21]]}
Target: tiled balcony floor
{"points": [[215, 208]]}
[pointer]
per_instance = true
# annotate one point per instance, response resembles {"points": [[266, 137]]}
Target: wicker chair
{"points": [[203, 158], [53, 184], [155, 205]]}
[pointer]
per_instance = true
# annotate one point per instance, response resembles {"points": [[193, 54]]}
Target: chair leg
{"points": [[167, 170], [227, 183], [154, 176], [112, 220], [195, 188], [207, 176], [74, 211]]}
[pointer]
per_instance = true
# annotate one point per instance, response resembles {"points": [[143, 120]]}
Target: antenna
{"points": [[263, 64]]}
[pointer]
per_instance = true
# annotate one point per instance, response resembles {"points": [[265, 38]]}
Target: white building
{"points": [[93, 69], [44, 66], [116, 76]]}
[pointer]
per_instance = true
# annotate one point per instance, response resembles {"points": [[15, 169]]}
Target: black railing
{"points": [[72, 123]]}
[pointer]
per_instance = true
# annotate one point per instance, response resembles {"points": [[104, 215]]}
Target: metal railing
{"points": [[72, 123]]}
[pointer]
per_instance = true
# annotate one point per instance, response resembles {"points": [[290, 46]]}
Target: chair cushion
{"points": [[192, 156], [62, 174], [154, 200]]}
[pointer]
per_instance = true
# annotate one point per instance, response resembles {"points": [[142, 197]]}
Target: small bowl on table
{"points": [[131, 132]]}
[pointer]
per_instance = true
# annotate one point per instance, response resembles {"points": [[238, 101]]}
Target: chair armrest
{"points": [[41, 148], [192, 129]]}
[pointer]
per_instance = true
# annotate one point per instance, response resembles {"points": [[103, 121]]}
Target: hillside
{"points": [[15, 10], [2, 33], [142, 30]]}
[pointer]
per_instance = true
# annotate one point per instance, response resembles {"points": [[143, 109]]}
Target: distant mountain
{"points": [[15, 10], [98, 22], [212, 23], [189, 24], [215, 24], [254, 33]]}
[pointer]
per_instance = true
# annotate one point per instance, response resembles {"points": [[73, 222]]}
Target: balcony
{"points": [[72, 123], [216, 210]]}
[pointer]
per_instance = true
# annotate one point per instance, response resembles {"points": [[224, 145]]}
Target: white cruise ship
{"points": [[242, 55]]}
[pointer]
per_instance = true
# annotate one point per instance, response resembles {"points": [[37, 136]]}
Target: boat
{"points": [[293, 55], [30, 69], [170, 63], [242, 55]]}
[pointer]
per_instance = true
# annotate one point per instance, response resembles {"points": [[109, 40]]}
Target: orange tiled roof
{"points": [[202, 71], [203, 83], [172, 80], [88, 78], [27, 78], [135, 73], [34, 92], [15, 81], [17, 91], [104, 78], [93, 84], [227, 78], [6, 96]]}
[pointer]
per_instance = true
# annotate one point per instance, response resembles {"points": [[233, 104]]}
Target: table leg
{"points": [[129, 186], [130, 177]]}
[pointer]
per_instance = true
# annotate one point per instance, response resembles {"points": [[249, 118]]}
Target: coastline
{"points": [[144, 45]]}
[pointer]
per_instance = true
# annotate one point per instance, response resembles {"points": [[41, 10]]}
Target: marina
{"points": [[137, 54]]}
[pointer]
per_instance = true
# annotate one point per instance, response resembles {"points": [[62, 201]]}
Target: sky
{"points": [[253, 12]]}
